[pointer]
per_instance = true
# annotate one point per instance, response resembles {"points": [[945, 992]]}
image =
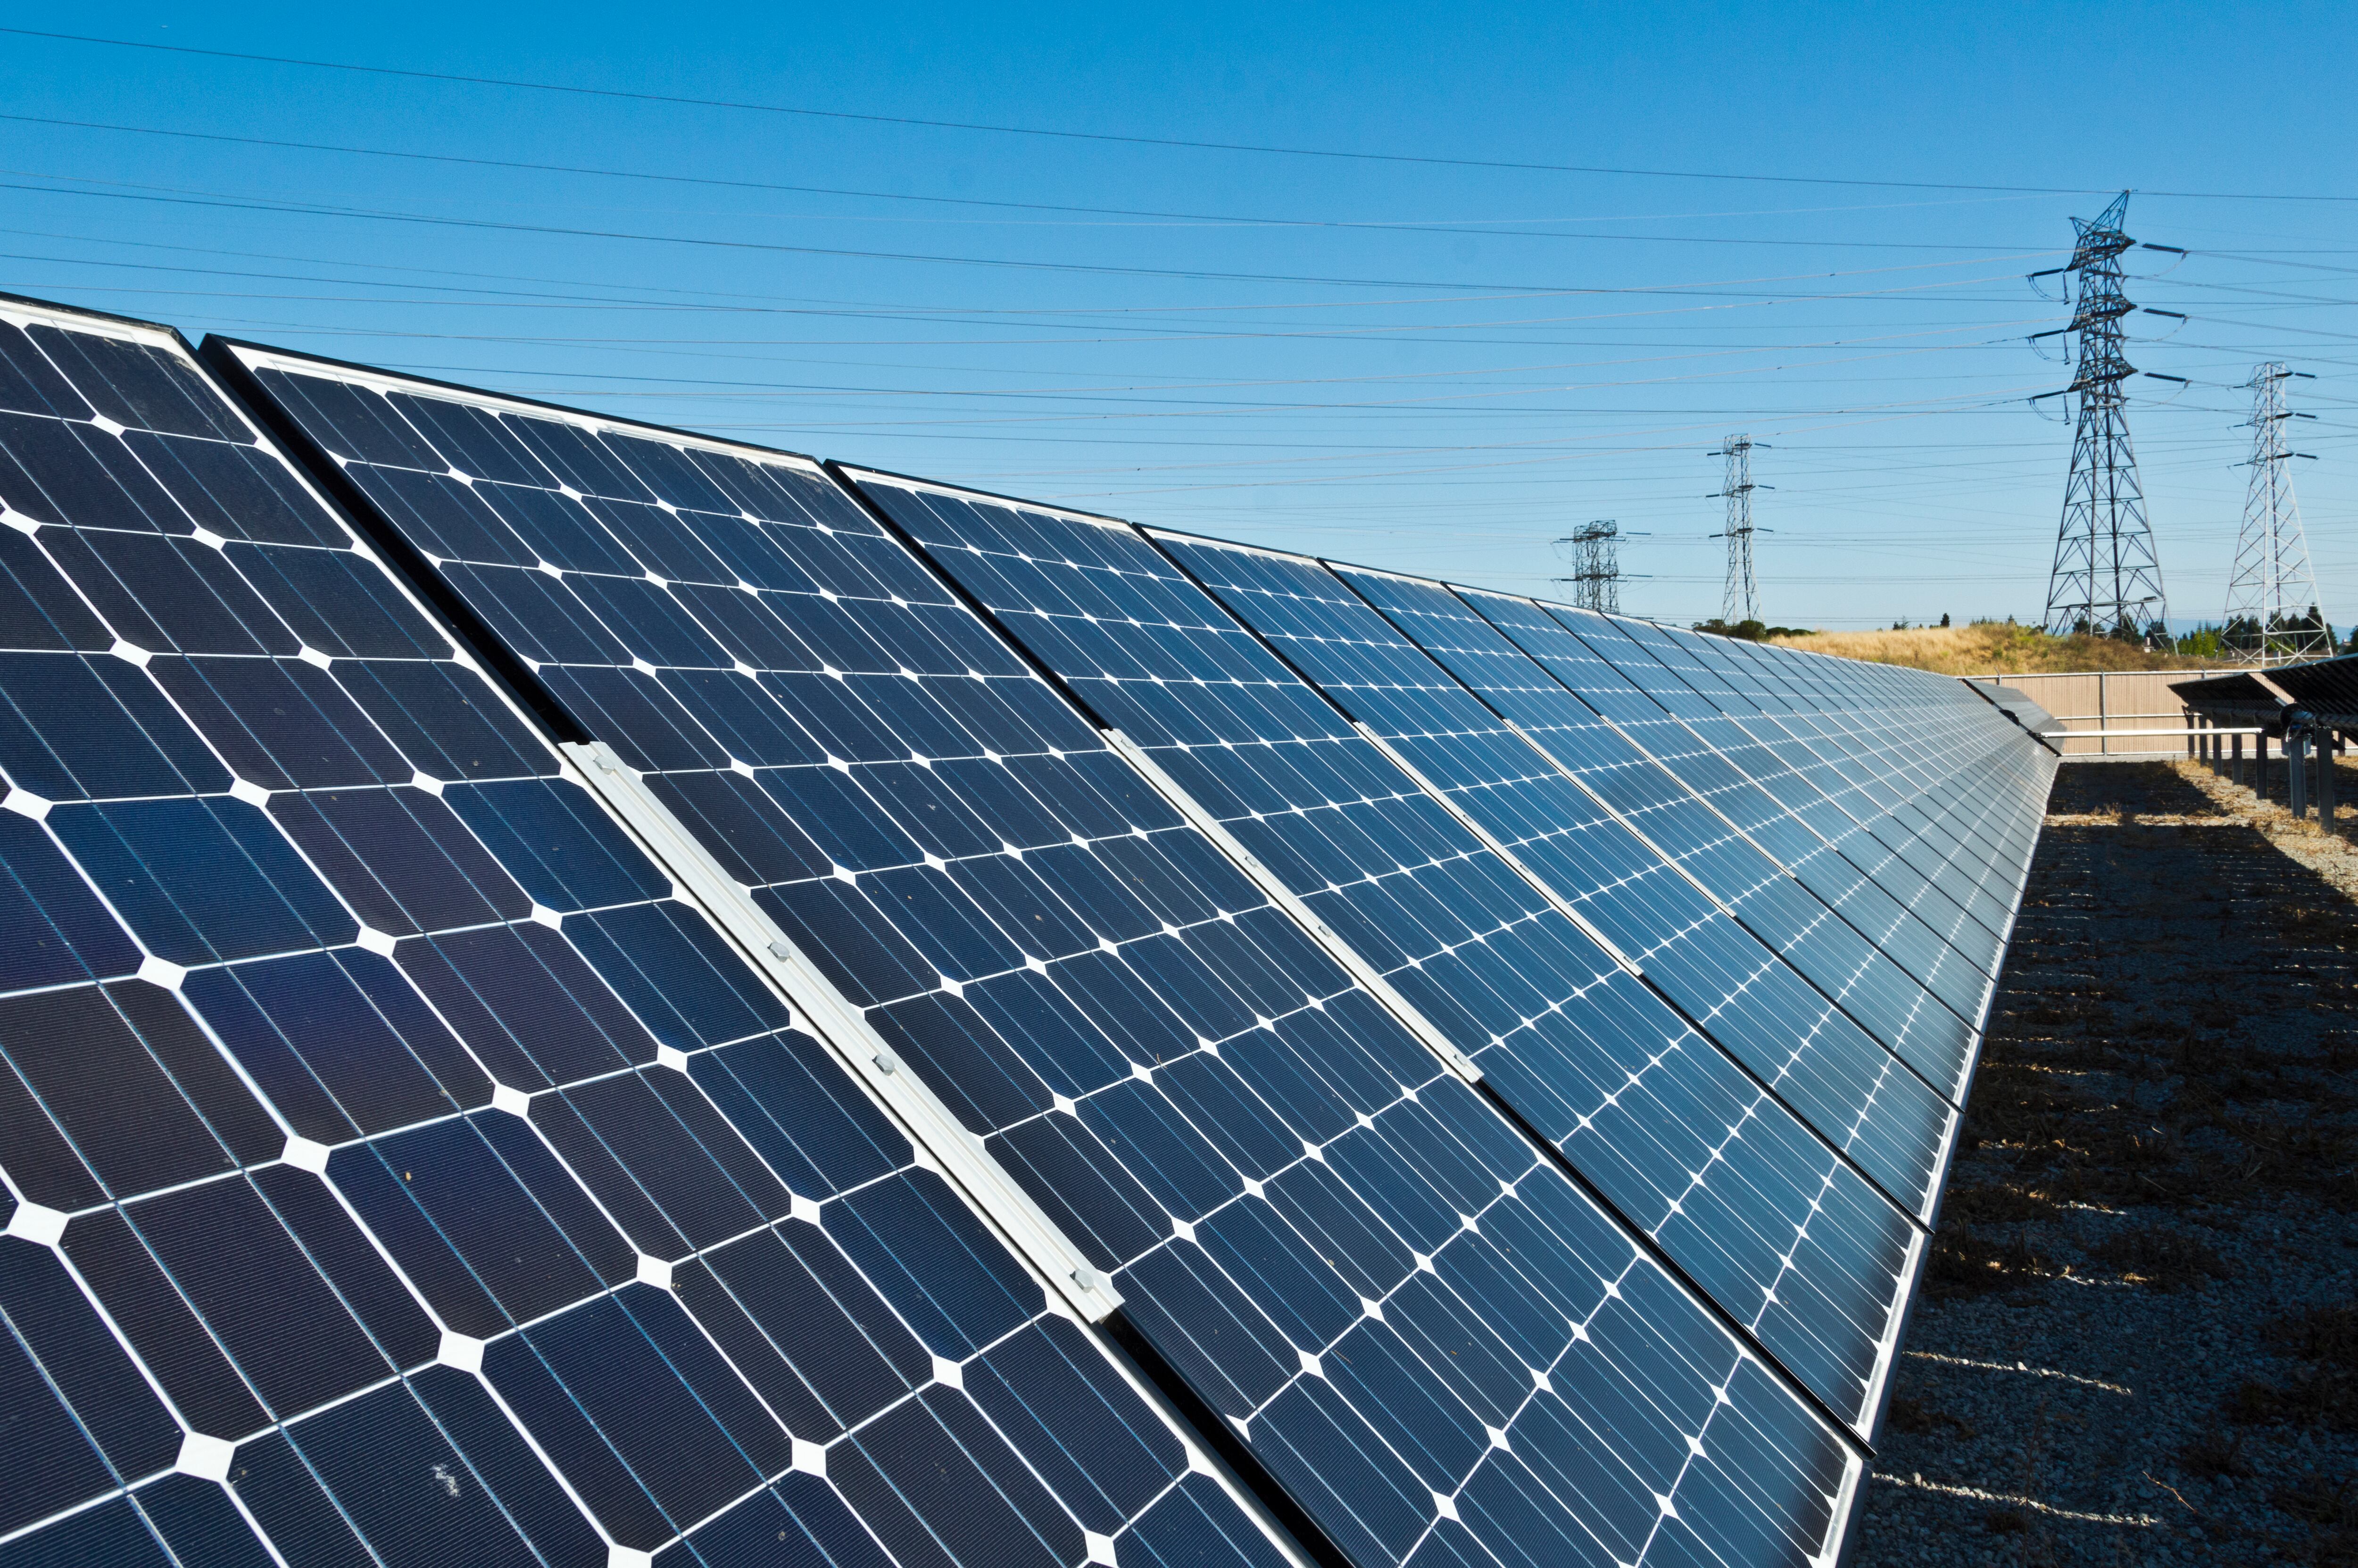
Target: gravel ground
{"points": [[2136, 1341]]}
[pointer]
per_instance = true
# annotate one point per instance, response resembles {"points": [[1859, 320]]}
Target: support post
{"points": [[2326, 740], [2260, 764], [2239, 761], [2297, 771]]}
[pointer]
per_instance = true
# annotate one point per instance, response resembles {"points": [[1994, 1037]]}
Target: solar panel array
{"points": [[1774, 1225], [1416, 1323], [1816, 939], [1797, 1040], [661, 1000], [1773, 715], [397, 1168]]}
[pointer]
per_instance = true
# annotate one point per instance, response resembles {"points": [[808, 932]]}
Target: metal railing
{"points": [[2109, 713]]}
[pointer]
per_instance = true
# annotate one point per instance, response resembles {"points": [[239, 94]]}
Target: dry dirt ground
{"points": [[2137, 1340]]}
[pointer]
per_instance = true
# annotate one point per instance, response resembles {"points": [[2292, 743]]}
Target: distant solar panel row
{"points": [[923, 1028], [1417, 1324], [1490, 959]]}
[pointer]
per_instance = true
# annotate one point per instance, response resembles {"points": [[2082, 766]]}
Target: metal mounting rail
{"points": [[844, 1030], [1358, 968]]}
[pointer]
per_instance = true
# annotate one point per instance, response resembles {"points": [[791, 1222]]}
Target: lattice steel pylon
{"points": [[2107, 578], [1595, 577], [1741, 600], [2274, 616]]}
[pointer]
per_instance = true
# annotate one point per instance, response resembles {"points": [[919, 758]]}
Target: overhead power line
{"points": [[1496, 230], [177, 196], [746, 106]]}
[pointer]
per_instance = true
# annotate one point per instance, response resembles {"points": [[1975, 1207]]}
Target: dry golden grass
{"points": [[1988, 650]]}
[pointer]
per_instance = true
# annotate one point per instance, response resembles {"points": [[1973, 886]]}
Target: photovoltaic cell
{"points": [[1783, 812], [1415, 1325], [1857, 1096], [1789, 1239], [396, 1170], [1630, 689], [1868, 986], [1951, 774], [1920, 1025]]}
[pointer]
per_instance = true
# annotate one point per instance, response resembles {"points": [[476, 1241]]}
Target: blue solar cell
{"points": [[338, 1043], [400, 858], [113, 1532], [353, 1210], [1988, 793], [133, 1086], [29, 383], [1876, 747], [404, 1487], [1508, 977], [160, 1328], [51, 468], [839, 657], [202, 878], [1815, 938], [296, 1343], [97, 1419], [70, 723], [195, 1519], [483, 1221], [1766, 751], [889, 1468], [67, 935], [46, 1427]]}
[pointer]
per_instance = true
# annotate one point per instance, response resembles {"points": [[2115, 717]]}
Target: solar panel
{"points": [[2328, 687], [1415, 1326], [2017, 705], [1780, 759], [1817, 941], [1926, 762], [1846, 1085], [398, 1167], [1788, 1238], [1969, 782], [1878, 755], [1713, 756], [1951, 782], [1806, 832]]}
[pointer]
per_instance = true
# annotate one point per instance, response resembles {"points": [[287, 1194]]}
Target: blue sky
{"points": [[1439, 365]]}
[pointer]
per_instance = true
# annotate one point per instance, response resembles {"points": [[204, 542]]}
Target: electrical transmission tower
{"points": [[1741, 600], [2273, 614], [2106, 579], [1595, 577]]}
